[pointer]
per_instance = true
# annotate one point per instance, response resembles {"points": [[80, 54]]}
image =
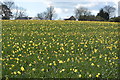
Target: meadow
{"points": [[59, 49]]}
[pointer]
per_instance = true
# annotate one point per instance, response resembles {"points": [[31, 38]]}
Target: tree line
{"points": [[10, 10], [81, 13], [104, 13]]}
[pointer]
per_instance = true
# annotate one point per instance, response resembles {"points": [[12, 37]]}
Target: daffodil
{"points": [[92, 64], [22, 68], [80, 75], [14, 72], [42, 69], [19, 72], [60, 61], [30, 64], [50, 64], [97, 75], [75, 70], [90, 75], [62, 70], [33, 69]]}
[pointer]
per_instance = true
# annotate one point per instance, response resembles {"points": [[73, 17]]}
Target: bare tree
{"points": [[47, 15], [10, 4], [19, 12], [51, 13], [81, 11], [42, 16], [110, 10], [16, 12]]}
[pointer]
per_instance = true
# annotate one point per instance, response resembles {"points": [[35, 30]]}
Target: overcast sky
{"points": [[64, 8]]}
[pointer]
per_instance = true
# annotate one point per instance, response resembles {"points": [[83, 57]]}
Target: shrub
{"points": [[115, 19]]}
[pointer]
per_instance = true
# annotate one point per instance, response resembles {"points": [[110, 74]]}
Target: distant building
{"points": [[34, 18], [27, 18], [71, 18], [22, 18], [119, 8]]}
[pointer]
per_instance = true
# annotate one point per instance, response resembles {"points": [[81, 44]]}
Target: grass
{"points": [[59, 49]]}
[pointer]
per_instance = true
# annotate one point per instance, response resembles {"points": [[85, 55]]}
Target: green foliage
{"points": [[103, 14], [115, 19], [91, 18]]}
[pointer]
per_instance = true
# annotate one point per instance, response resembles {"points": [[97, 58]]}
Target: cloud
{"points": [[94, 12], [86, 5], [65, 10], [58, 10]]}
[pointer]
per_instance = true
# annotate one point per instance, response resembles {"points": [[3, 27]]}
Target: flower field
{"points": [[59, 49]]}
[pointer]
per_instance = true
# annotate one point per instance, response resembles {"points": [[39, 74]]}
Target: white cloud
{"points": [[94, 12], [65, 10], [86, 5], [58, 10]]}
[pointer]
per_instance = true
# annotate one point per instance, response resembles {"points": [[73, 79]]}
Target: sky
{"points": [[64, 8]]}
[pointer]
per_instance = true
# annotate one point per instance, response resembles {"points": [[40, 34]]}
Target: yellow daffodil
{"points": [[90, 75], [92, 64], [80, 75], [22, 68], [33, 69], [19, 72]]}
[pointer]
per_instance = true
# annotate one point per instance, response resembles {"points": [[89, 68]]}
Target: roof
{"points": [[22, 18], [70, 18]]}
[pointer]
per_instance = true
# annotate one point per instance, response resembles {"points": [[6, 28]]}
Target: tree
{"points": [[47, 15], [81, 12], [5, 12], [103, 14], [42, 16], [10, 4], [15, 10], [110, 10], [21, 12], [51, 12]]}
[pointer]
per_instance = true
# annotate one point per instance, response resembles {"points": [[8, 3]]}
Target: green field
{"points": [[59, 49]]}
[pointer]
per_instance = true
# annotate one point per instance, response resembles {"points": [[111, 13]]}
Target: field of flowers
{"points": [[59, 49]]}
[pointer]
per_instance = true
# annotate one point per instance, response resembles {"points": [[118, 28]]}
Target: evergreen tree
{"points": [[5, 12], [103, 14]]}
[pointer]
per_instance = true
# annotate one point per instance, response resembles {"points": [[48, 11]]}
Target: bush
{"points": [[115, 19], [91, 18], [5, 18]]}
